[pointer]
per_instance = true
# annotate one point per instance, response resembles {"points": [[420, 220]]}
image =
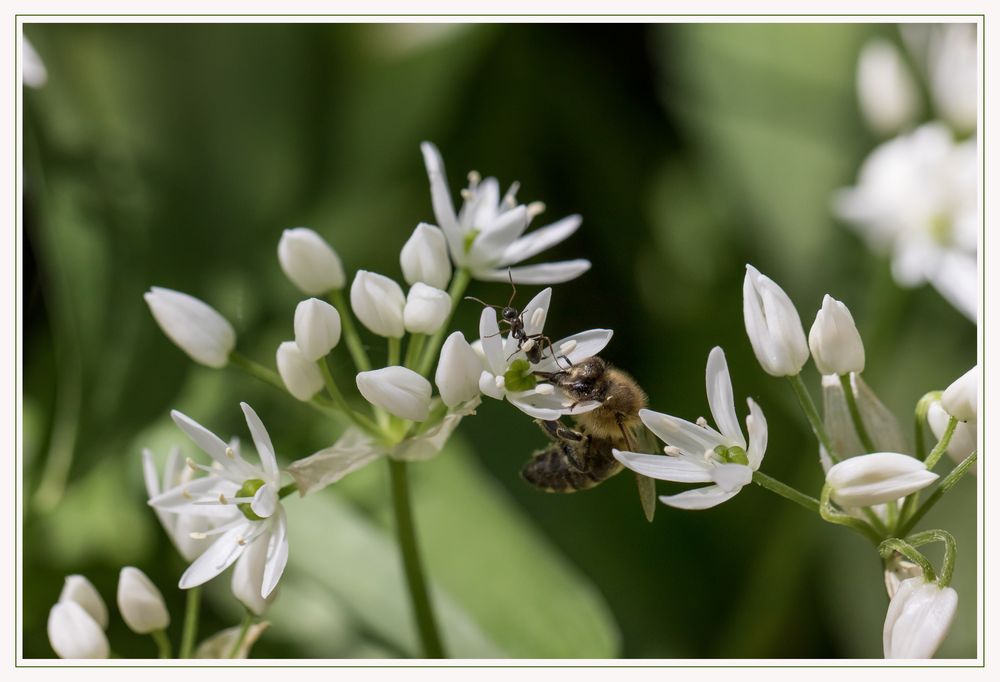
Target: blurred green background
{"points": [[174, 155]]}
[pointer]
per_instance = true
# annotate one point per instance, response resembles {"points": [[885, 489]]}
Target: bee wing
{"points": [[647, 495]]}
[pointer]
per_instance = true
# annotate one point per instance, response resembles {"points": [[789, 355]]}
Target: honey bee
{"points": [[581, 458]]}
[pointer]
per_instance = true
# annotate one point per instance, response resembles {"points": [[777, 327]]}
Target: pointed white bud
{"points": [[82, 591], [918, 619], [834, 340], [424, 257], [302, 377], [877, 478], [140, 603], [887, 93], [960, 399], [963, 438], [426, 309], [309, 262], [378, 303], [196, 327], [73, 633], [458, 370], [773, 326], [397, 390], [317, 328], [248, 577]]}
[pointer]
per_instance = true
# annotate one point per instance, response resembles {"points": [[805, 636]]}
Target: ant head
{"points": [[510, 314]]}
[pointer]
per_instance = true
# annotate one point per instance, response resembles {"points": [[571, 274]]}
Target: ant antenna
{"points": [[480, 302], [513, 292]]}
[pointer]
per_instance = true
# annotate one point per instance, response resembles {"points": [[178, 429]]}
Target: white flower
{"points": [[877, 478], [963, 438], [960, 399], [196, 327], [302, 378], [424, 257], [397, 390], [309, 262], [378, 302], [509, 374], [773, 326], [426, 309], [186, 531], [485, 235], [834, 340], [33, 71], [243, 497], [886, 91], [918, 619], [78, 589], [140, 602], [317, 328], [458, 370], [953, 74], [700, 454], [73, 633], [917, 199]]}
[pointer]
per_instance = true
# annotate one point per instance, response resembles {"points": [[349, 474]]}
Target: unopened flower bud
{"points": [[397, 390], [73, 633], [140, 603], [424, 257], [960, 399], [918, 619], [309, 262], [378, 303], [426, 309], [302, 377], [773, 326], [82, 591], [196, 327], [877, 478], [834, 340], [886, 91], [458, 370], [317, 328]]}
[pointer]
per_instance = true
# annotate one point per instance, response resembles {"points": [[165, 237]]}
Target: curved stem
{"points": [[819, 430], [248, 618], [162, 643], [852, 407], [262, 373], [786, 491], [423, 610], [830, 514], [950, 551], [190, 631], [920, 420], [942, 446], [351, 337], [891, 545], [458, 285], [947, 483], [360, 420]]}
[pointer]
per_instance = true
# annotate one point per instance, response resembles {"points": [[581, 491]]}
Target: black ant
{"points": [[533, 345]]}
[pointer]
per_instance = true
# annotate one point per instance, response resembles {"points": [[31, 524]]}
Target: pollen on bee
{"points": [[568, 347]]}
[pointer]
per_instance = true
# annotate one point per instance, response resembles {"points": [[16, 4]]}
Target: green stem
{"points": [[950, 551], [786, 491], [351, 337], [942, 446], [887, 547], [946, 484], [458, 285], [162, 643], [394, 352], [852, 407], [248, 618], [413, 348], [920, 420], [190, 632], [262, 373], [423, 610], [287, 490], [360, 420], [805, 400], [830, 513]]}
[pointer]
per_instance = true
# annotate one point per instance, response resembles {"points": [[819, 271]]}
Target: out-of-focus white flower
{"points": [[309, 262], [378, 302], [33, 71], [919, 617], [424, 257], [397, 390], [221, 644], [952, 70], [244, 497], [78, 589], [917, 199], [486, 234], [886, 90], [834, 340], [963, 438], [317, 328], [458, 370], [509, 374], [700, 454], [960, 399], [301, 377], [186, 531], [773, 326], [880, 422], [877, 478], [196, 327], [140, 602], [73, 633], [427, 308]]}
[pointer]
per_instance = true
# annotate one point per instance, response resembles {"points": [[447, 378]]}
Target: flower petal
{"points": [[584, 345], [262, 441], [689, 438], [731, 477], [719, 388], [489, 333], [216, 558], [539, 240], [213, 446], [277, 554], [265, 501], [664, 467], [444, 209], [491, 243], [699, 498], [757, 431], [183, 499], [543, 273]]}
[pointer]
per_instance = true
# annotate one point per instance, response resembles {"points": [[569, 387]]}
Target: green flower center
{"points": [[249, 489], [732, 455], [519, 376]]}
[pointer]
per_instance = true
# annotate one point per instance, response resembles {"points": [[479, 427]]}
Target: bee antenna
{"points": [[481, 302]]}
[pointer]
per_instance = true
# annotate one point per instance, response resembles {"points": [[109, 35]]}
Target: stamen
{"points": [[672, 450], [222, 499], [186, 494], [535, 208], [510, 198], [230, 454], [568, 347], [192, 464], [500, 383], [474, 178], [241, 541], [537, 318], [196, 535], [702, 422], [466, 194], [545, 389]]}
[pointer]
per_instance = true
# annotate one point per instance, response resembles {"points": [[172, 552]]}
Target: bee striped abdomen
{"points": [[553, 469]]}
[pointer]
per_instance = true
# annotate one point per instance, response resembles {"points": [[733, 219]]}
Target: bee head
{"points": [[582, 379]]}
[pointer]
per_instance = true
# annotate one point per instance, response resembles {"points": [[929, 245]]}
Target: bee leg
{"points": [[557, 431], [620, 420]]}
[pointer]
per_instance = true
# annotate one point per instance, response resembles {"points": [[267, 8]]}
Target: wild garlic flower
{"points": [[877, 478], [697, 453], [509, 374], [917, 200], [918, 619], [426, 309], [301, 376], [424, 257], [398, 390], [773, 326], [196, 327], [310, 262], [186, 531], [77, 621], [834, 340], [317, 328], [378, 303], [458, 371], [140, 602], [485, 236], [243, 497], [960, 399]]}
